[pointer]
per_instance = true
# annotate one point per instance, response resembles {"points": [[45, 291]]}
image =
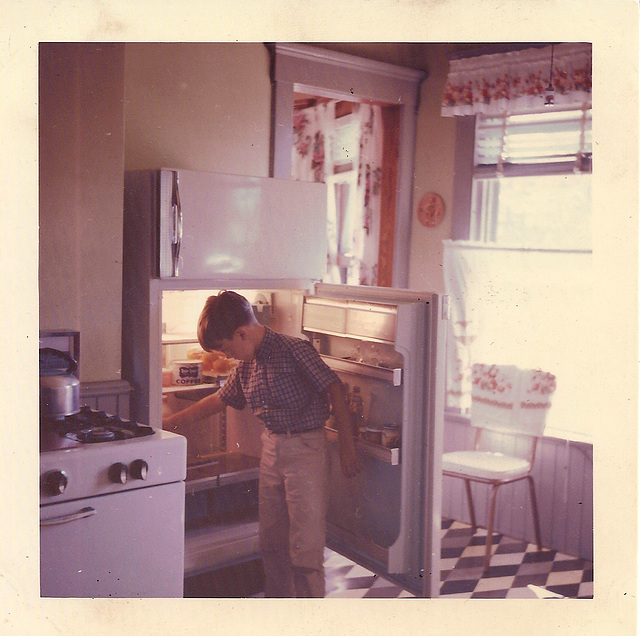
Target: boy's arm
{"points": [[348, 458], [210, 405]]}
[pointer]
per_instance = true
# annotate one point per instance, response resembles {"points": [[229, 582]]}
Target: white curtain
{"points": [[531, 308], [311, 160], [518, 80]]}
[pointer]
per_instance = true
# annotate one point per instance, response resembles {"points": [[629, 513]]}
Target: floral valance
{"points": [[518, 80]]}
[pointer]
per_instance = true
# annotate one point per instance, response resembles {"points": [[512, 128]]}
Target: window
{"points": [[521, 286], [532, 180], [545, 211]]}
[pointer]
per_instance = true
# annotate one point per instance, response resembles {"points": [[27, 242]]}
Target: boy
{"points": [[288, 386]]}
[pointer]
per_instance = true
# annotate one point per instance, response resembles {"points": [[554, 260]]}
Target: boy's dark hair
{"points": [[221, 316]]}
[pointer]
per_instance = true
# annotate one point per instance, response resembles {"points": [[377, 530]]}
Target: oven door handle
{"points": [[56, 521]]}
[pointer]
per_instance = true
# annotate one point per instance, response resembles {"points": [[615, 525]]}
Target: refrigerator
{"points": [[188, 235]]}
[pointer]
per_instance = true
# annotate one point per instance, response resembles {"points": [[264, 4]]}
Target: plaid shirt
{"points": [[285, 385]]}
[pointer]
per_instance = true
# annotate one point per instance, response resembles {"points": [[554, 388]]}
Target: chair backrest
{"points": [[494, 390], [534, 402], [507, 399]]}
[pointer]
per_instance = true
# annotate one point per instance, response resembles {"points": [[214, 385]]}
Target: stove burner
{"points": [[89, 426], [96, 434]]}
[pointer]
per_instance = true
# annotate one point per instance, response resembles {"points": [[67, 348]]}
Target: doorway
{"points": [[352, 147], [301, 72]]}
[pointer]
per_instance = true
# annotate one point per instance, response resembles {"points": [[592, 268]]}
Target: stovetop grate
{"points": [[89, 427]]}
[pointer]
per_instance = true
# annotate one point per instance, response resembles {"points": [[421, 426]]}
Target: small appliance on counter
{"points": [[111, 494], [59, 386]]}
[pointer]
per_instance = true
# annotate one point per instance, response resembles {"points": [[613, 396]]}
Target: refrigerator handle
{"points": [[176, 237]]}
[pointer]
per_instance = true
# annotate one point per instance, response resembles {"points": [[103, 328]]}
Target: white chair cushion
{"points": [[484, 464]]}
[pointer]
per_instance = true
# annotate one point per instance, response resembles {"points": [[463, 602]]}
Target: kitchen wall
{"points": [[434, 172], [198, 107], [81, 142], [105, 108]]}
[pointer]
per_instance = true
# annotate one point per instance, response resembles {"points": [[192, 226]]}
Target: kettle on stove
{"points": [[59, 387]]}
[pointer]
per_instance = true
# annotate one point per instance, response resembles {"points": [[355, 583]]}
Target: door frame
{"points": [[299, 68]]}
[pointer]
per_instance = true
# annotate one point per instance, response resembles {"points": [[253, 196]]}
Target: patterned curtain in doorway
{"points": [[367, 237], [313, 159]]}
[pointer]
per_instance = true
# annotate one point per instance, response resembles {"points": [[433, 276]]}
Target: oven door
{"points": [[129, 544]]}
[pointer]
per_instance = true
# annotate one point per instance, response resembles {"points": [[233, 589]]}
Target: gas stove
{"points": [[107, 483], [94, 453]]}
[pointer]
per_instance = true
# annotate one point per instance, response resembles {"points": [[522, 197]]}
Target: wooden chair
{"points": [[508, 401]]}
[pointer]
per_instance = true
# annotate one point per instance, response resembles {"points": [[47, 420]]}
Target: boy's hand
{"points": [[348, 457]]}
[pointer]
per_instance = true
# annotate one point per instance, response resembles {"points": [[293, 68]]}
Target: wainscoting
{"points": [[563, 473], [111, 396]]}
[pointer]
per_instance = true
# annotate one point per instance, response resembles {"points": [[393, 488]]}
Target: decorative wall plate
{"points": [[431, 209]]}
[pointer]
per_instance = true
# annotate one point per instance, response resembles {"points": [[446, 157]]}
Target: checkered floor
{"points": [[517, 570], [515, 565], [346, 579]]}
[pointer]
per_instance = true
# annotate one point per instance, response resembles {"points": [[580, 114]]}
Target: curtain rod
{"points": [[493, 49]]}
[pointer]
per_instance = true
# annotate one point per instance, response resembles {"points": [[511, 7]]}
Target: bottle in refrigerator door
{"points": [[356, 408]]}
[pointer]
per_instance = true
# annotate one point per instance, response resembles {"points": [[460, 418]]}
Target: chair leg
{"points": [[472, 512], [492, 512], [534, 509]]}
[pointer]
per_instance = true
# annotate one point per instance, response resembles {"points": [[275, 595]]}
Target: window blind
{"points": [[539, 143]]}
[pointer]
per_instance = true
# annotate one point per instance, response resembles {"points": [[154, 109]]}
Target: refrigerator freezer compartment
{"points": [[222, 225], [389, 455]]}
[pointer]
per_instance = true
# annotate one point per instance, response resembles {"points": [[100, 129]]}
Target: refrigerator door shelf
{"points": [[389, 455], [392, 376], [191, 393]]}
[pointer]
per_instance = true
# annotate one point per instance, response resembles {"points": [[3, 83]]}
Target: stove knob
{"points": [[139, 469], [118, 473], [55, 482]]}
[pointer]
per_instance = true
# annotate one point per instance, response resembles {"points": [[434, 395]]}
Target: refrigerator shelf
{"points": [[221, 469], [385, 374], [193, 392], [179, 338], [389, 455]]}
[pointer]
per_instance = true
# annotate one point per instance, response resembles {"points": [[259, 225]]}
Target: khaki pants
{"points": [[293, 506]]}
